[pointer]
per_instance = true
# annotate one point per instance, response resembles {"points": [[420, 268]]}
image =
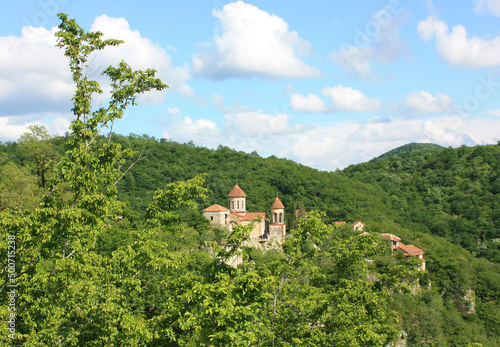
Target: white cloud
{"points": [[34, 75], [425, 102], [344, 143], [140, 53], [332, 145], [59, 126], [253, 43], [201, 131], [446, 131], [488, 6], [309, 103], [173, 110], [495, 112], [217, 99], [378, 41], [12, 127], [256, 123], [354, 59], [348, 99], [456, 48], [11, 132], [324, 148]]}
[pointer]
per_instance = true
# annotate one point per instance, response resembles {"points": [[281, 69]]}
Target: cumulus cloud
{"points": [[378, 41], [202, 131], [488, 6], [457, 48], [332, 145], [140, 53], [344, 143], [349, 99], [34, 75], [217, 99], [425, 102], [257, 123], [354, 59], [12, 127], [309, 103], [253, 42]]}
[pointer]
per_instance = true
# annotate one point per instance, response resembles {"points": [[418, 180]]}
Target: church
{"points": [[264, 230]]}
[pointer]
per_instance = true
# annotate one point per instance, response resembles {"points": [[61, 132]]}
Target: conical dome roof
{"points": [[277, 203], [237, 192]]}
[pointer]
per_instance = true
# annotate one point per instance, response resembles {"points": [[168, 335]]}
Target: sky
{"points": [[324, 83]]}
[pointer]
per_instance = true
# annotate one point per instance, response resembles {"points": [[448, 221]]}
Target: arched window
{"points": [[232, 205], [238, 204], [281, 217], [275, 217]]}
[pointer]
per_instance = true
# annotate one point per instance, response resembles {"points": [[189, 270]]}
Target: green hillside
{"points": [[409, 148], [452, 193], [443, 201]]}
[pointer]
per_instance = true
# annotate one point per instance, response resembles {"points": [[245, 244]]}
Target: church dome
{"points": [[237, 192], [277, 203]]}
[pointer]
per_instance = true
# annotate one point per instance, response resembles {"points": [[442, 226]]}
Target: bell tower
{"points": [[237, 199], [277, 227], [277, 211]]}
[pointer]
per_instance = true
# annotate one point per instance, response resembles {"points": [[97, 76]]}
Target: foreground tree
{"points": [[37, 142], [66, 292]]}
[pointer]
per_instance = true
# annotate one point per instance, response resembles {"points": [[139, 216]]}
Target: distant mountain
{"points": [[409, 148]]}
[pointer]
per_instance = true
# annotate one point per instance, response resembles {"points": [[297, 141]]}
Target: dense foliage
{"points": [[452, 193], [107, 259], [410, 147]]}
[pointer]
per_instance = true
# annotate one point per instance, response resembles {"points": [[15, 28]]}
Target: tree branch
{"points": [[135, 162]]}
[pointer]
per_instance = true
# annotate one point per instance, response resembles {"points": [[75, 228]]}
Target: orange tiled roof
{"points": [[215, 208], [339, 223], [239, 214], [252, 215], [391, 237], [357, 222], [277, 203], [236, 192], [410, 249]]}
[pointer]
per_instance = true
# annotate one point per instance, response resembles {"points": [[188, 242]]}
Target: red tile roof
{"points": [[391, 237], [339, 223], [241, 214], [357, 222], [277, 203], [410, 249], [249, 216], [215, 208], [236, 192]]}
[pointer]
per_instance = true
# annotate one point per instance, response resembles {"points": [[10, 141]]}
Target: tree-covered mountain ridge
{"points": [[405, 195], [414, 146], [450, 192]]}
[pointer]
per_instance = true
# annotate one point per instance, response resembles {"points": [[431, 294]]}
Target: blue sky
{"points": [[323, 83]]}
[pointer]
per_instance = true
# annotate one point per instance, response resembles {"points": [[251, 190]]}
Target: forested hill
{"points": [[448, 192], [443, 201], [453, 193], [409, 148], [260, 178]]}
